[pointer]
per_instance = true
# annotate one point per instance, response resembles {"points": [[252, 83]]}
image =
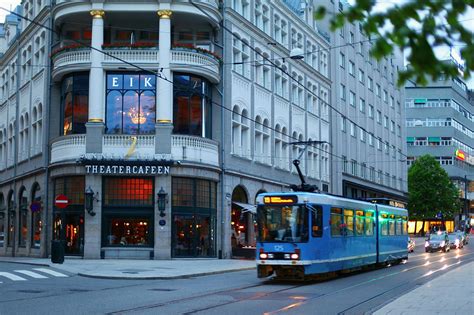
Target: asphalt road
{"points": [[230, 293]]}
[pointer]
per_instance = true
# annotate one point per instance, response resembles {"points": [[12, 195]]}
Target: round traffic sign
{"points": [[35, 206], [61, 201]]}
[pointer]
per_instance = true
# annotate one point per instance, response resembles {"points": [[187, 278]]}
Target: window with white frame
{"points": [[354, 167], [342, 92], [361, 76], [342, 60], [313, 55], [371, 111], [324, 97], [385, 96], [362, 135], [399, 130], [379, 117], [385, 121], [262, 70], [343, 124], [37, 129], [240, 132], [352, 98], [242, 7], [353, 128], [344, 164], [279, 161], [351, 38], [377, 90], [324, 63], [351, 68], [386, 147], [392, 102], [379, 144], [370, 83], [241, 57], [262, 140], [362, 105], [313, 167], [363, 170], [11, 144], [372, 173], [371, 139], [392, 126], [3, 148]]}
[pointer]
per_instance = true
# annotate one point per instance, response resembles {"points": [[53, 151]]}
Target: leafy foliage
{"points": [[415, 27], [430, 190]]}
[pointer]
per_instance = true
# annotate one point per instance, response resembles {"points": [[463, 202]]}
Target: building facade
{"points": [[367, 130], [128, 132], [439, 121]]}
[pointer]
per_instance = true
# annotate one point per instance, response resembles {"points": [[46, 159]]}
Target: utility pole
{"points": [[466, 205]]}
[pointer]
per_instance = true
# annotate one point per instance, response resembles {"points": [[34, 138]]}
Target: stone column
{"points": [[95, 125], [162, 247], [92, 224], [164, 99]]}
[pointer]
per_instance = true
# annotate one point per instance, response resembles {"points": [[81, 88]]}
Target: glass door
{"points": [[183, 235], [72, 232], [193, 236]]}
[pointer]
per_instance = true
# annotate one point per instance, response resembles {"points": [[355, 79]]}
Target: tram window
{"points": [[391, 227], [359, 222], [336, 221], [349, 221], [384, 226], [404, 226], [317, 219], [369, 223], [398, 227]]}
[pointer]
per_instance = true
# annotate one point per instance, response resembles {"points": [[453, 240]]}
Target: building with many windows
{"points": [[367, 130], [440, 122], [128, 132]]}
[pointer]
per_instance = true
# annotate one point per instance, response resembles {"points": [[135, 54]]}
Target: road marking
{"points": [[11, 276], [31, 274], [51, 272]]}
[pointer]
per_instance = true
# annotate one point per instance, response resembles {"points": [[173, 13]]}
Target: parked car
{"points": [[455, 240], [437, 241], [411, 245]]}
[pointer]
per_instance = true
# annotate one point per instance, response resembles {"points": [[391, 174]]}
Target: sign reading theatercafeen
{"points": [[128, 169]]}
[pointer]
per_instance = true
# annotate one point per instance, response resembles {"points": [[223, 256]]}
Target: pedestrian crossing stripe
{"points": [[11, 276], [51, 272], [31, 274]]}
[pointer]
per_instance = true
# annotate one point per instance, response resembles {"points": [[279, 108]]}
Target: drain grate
{"points": [[30, 291]]}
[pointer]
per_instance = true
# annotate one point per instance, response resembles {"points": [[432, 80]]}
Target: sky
{"points": [[382, 4]]}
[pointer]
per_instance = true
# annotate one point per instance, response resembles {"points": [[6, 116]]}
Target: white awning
{"points": [[246, 207]]}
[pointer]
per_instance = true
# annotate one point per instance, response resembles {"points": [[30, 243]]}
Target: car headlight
{"points": [[456, 242], [427, 244], [442, 243], [263, 255]]}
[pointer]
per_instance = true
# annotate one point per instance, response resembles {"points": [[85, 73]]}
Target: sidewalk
{"points": [[452, 293], [140, 269]]}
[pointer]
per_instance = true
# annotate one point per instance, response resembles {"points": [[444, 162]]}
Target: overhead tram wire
{"points": [[158, 75], [289, 75]]}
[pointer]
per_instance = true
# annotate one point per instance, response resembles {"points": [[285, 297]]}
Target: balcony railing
{"points": [[182, 59], [184, 148]]}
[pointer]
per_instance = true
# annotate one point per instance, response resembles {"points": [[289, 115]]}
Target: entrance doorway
{"points": [[242, 225], [193, 235], [72, 232]]}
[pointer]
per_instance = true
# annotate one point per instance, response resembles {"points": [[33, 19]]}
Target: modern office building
{"points": [[145, 130], [367, 130], [440, 122]]}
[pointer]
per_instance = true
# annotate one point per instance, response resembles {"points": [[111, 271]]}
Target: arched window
{"points": [[2, 220], [2, 149], [312, 160], [278, 146], [258, 139], [75, 103], [236, 131], [284, 149], [21, 144], [36, 211], [243, 232], [245, 137], [23, 222], [26, 137], [11, 143], [266, 142], [11, 219]]}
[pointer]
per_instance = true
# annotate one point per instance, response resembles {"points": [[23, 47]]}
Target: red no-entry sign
{"points": [[61, 201]]}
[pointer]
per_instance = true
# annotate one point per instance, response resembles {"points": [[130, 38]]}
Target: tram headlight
{"points": [[263, 255], [294, 256]]}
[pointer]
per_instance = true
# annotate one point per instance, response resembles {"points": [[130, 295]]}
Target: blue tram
{"points": [[304, 234]]}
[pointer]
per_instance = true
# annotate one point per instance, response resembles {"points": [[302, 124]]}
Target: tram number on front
{"points": [[278, 248]]}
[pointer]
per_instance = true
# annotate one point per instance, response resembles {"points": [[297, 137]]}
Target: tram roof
{"points": [[319, 198]]}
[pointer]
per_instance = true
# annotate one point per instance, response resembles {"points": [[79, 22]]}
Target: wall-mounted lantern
{"points": [[89, 197], [162, 199]]}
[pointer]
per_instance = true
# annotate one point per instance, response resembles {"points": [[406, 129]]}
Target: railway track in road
{"points": [[438, 262]]}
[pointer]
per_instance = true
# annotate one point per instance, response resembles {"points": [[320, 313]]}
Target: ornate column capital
{"points": [[97, 14], [164, 14]]}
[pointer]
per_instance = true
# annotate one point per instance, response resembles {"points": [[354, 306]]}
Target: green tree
{"points": [[416, 27], [430, 190]]}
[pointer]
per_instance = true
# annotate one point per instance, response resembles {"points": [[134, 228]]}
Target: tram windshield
{"points": [[282, 223]]}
